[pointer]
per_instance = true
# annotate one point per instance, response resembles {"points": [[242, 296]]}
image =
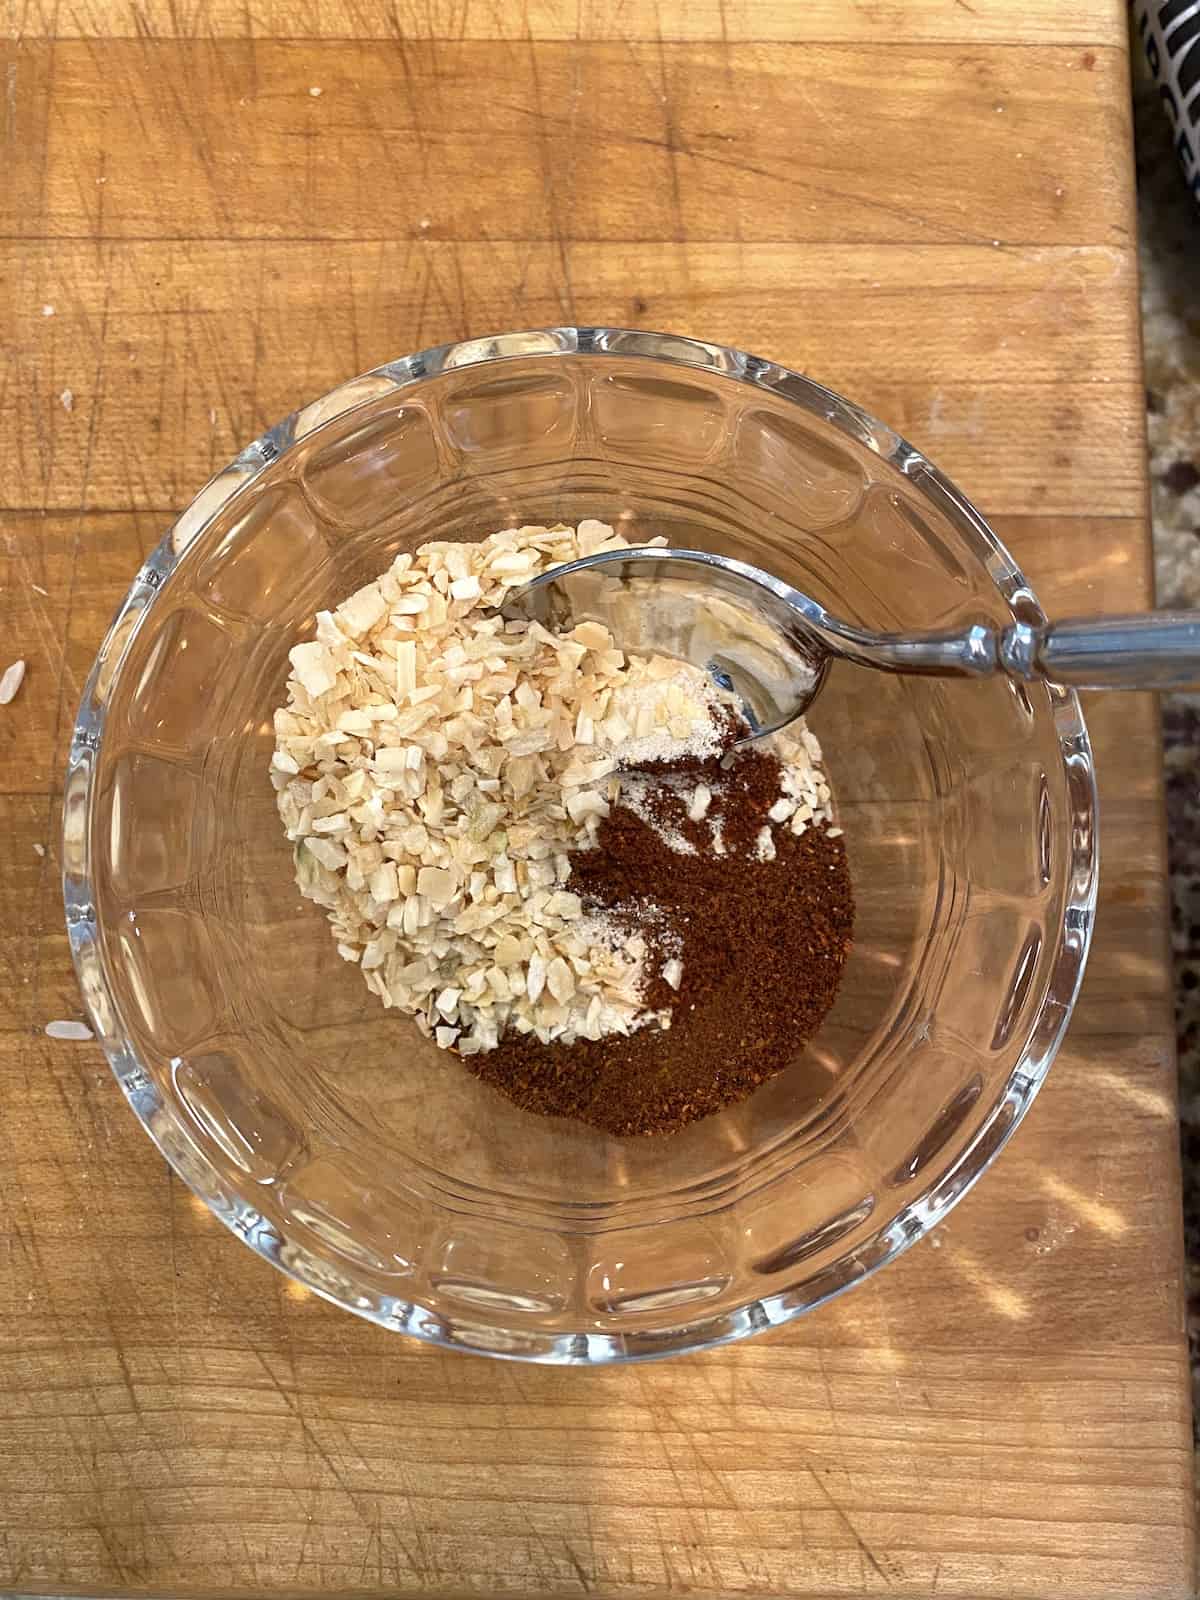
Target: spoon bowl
{"points": [[749, 631]]}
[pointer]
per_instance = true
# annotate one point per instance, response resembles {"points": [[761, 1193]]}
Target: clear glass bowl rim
{"points": [[580, 1347]]}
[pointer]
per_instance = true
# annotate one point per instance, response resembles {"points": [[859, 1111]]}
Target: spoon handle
{"points": [[1151, 650], [1154, 650]]}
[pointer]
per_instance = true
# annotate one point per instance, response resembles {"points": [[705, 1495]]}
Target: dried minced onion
{"points": [[10, 681], [69, 1032]]}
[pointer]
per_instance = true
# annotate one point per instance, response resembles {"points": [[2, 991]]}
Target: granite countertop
{"points": [[1169, 229]]}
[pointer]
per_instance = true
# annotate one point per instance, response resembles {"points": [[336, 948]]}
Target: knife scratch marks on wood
{"points": [[672, 139], [426, 270], [198, 139], [98, 380], [412, 98], [125, 1572], [295, 1410], [258, 342], [585, 1583], [549, 185], [685, 1502], [68, 688], [551, 1568], [864, 1548], [577, 60], [451, 322], [836, 1429], [463, 322], [422, 1564], [940, 231], [232, 412], [50, 652], [910, 1432], [724, 21]]}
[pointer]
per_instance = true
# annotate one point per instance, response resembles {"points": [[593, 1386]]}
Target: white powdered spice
{"points": [[637, 795], [670, 709]]}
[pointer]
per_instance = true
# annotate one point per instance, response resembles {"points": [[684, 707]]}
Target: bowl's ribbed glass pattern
{"points": [[376, 1170]]}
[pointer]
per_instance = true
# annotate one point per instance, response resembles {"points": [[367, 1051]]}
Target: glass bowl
{"points": [[374, 1168]]}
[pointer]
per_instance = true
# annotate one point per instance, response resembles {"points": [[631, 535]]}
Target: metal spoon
{"points": [[772, 645]]}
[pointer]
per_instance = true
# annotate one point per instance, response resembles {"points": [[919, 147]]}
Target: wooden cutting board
{"points": [[210, 213]]}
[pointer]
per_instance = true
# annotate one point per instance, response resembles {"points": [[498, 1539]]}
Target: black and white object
{"points": [[1169, 31]]}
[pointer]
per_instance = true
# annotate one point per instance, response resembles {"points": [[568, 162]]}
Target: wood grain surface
{"points": [[926, 204]]}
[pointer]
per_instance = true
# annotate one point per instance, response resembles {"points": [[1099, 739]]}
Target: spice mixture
{"points": [[762, 945], [548, 853]]}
